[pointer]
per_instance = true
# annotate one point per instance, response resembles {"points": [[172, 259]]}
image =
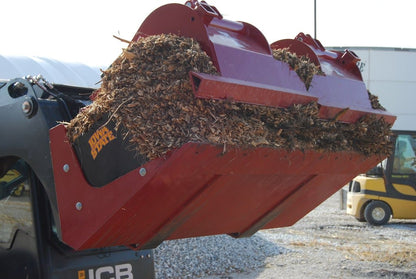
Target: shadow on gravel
{"points": [[411, 226], [212, 255], [383, 273], [402, 225]]}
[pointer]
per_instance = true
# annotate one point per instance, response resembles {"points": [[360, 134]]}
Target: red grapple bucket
{"points": [[202, 189]]}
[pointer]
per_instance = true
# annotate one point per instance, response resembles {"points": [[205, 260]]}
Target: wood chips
{"points": [[300, 64], [375, 103], [147, 92]]}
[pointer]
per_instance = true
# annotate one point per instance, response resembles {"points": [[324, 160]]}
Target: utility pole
{"points": [[314, 18]]}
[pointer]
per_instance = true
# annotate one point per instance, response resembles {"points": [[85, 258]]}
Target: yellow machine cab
{"points": [[388, 190]]}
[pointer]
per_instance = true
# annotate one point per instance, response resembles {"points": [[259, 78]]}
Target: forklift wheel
{"points": [[377, 213]]}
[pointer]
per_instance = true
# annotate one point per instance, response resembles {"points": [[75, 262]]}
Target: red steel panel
{"points": [[216, 87], [195, 190]]}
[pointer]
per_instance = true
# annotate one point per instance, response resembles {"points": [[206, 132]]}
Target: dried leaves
{"points": [[148, 94], [300, 64], [375, 104]]}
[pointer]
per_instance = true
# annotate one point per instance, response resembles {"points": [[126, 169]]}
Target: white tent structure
{"points": [[52, 70]]}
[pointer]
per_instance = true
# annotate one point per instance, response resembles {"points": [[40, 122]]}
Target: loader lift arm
{"points": [[34, 246]]}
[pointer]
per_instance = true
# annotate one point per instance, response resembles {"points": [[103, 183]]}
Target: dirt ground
{"points": [[328, 243]]}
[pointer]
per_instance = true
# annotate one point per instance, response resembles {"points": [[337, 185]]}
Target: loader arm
{"points": [[30, 240], [27, 131]]}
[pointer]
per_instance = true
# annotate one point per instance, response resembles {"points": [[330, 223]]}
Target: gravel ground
{"points": [[327, 243], [14, 211]]}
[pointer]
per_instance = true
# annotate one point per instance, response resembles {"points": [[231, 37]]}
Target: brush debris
{"points": [[147, 92], [302, 65]]}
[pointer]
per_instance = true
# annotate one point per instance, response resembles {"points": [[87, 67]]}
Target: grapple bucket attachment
{"points": [[203, 189]]}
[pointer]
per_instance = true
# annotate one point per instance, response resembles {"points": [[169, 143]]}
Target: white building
{"points": [[389, 74]]}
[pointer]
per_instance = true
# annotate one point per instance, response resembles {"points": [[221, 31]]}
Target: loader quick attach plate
{"points": [[196, 190]]}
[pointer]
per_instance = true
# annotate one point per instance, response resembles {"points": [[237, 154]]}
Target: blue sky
{"points": [[81, 31]]}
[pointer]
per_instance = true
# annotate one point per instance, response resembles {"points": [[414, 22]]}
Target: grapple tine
{"points": [[340, 90], [239, 51], [245, 63]]}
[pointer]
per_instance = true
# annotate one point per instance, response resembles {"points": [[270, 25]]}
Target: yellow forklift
{"points": [[389, 189], [12, 181]]}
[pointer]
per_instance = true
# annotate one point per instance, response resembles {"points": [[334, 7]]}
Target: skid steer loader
{"points": [[86, 217]]}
